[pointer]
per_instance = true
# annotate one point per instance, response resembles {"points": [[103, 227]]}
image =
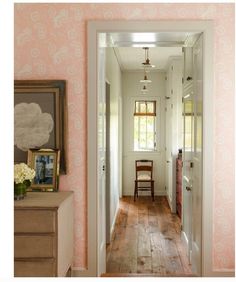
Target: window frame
{"points": [[157, 123]]}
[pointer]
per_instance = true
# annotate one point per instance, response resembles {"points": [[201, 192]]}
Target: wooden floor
{"points": [[146, 240]]}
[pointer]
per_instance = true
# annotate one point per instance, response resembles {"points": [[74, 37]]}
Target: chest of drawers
{"points": [[179, 187], [43, 234]]}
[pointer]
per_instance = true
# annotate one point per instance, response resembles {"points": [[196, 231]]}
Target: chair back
{"points": [[144, 167]]}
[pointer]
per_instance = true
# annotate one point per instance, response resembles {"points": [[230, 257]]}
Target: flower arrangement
{"points": [[23, 173]]}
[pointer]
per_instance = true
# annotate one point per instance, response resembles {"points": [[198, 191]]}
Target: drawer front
{"points": [[34, 221], [32, 246], [38, 268]]}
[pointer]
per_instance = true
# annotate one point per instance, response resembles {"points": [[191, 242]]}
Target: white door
{"points": [[168, 117], [197, 157], [101, 158], [187, 165], [192, 156], [108, 200]]}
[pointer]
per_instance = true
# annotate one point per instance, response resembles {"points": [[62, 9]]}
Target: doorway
{"points": [[95, 196]]}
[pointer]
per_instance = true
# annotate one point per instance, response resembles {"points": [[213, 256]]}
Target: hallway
{"points": [[146, 240]]}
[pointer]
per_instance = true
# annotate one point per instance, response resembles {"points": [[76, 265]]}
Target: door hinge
{"points": [[165, 109], [171, 106], [182, 80], [191, 164], [171, 91], [165, 187], [166, 78], [172, 67]]}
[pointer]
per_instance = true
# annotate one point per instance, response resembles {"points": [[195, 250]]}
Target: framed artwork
{"points": [[46, 164], [40, 118]]}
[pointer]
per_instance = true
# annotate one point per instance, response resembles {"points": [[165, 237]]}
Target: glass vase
{"points": [[19, 191]]}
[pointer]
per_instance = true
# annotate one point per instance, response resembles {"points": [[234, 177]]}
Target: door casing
{"points": [[205, 27]]}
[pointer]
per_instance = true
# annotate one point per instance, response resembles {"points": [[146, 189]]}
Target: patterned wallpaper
{"points": [[50, 42]]}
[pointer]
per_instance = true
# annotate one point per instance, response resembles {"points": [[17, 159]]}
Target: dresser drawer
{"points": [[31, 246], [37, 268], [34, 221]]}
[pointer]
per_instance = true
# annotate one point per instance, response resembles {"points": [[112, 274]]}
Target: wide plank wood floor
{"points": [[146, 240]]}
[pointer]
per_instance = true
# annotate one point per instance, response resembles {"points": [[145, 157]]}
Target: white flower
{"points": [[22, 172]]}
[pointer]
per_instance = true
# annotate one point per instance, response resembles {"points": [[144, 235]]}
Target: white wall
{"points": [[113, 76], [131, 89]]}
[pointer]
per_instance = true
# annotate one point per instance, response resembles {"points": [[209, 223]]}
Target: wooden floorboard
{"points": [[146, 241]]}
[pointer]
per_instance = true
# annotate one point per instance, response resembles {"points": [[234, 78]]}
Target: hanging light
{"points": [[147, 63], [145, 79], [144, 89]]}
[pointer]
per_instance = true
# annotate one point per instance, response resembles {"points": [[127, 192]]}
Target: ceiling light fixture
{"points": [[144, 89], [145, 79], [147, 60]]}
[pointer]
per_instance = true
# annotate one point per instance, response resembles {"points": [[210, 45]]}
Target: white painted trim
{"points": [[92, 151], [206, 26], [171, 59], [81, 272], [184, 239], [114, 219]]}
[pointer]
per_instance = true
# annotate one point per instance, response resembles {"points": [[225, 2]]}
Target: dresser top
{"points": [[43, 199]]}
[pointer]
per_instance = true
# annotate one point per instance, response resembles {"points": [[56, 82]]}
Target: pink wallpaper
{"points": [[50, 42]]}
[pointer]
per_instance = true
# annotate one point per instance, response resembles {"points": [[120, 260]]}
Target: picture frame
{"points": [[46, 163], [40, 118]]}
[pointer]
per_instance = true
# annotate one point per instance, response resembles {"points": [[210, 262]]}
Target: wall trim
{"points": [[197, 26], [81, 272], [114, 219]]}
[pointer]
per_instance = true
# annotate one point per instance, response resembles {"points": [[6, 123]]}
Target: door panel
{"points": [[187, 159], [192, 156], [197, 156], [108, 227]]}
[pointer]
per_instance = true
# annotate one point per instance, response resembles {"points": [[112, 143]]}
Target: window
{"points": [[145, 126]]}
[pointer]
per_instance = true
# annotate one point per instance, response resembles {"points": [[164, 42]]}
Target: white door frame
{"points": [[206, 27]]}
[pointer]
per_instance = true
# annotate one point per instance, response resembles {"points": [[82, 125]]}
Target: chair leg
{"points": [[153, 190], [135, 189]]}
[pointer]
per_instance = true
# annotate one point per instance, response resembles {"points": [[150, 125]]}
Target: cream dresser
{"points": [[43, 234]]}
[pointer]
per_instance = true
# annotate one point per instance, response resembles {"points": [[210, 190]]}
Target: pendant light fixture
{"points": [[145, 79], [147, 63], [144, 89]]}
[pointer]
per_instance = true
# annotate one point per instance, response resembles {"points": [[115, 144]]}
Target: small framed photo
{"points": [[46, 163]]}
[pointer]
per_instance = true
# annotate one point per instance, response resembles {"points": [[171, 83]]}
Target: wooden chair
{"points": [[144, 169]]}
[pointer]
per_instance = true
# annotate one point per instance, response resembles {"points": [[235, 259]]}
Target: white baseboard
{"points": [[184, 239], [81, 272], [220, 273], [114, 219]]}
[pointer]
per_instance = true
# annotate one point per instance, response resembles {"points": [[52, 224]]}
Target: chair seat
{"points": [[143, 180], [144, 177]]}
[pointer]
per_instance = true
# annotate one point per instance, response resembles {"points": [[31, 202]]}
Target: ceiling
{"points": [[131, 58], [162, 45]]}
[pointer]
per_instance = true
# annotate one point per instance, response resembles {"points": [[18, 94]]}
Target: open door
{"points": [[192, 154], [108, 192], [197, 157]]}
